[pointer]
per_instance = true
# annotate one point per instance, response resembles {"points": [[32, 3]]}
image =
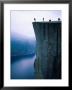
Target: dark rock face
{"points": [[48, 50]]}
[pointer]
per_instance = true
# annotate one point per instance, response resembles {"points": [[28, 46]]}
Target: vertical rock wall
{"points": [[48, 49]]}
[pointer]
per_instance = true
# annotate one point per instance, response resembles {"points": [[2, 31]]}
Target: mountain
{"points": [[22, 46]]}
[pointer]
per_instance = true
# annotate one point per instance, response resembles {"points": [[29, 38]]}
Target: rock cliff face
{"points": [[48, 50]]}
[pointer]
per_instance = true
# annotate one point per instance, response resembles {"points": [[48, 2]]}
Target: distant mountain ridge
{"points": [[20, 46]]}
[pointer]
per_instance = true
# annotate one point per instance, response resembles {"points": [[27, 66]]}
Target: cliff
{"points": [[48, 49]]}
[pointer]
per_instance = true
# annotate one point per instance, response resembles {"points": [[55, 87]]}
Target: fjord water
{"points": [[23, 68], [22, 58]]}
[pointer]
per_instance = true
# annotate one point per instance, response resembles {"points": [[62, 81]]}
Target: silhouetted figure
{"points": [[34, 19], [50, 20], [43, 19], [58, 19]]}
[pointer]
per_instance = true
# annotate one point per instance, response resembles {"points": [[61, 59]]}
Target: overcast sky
{"points": [[21, 21]]}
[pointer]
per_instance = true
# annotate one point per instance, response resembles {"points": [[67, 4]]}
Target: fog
{"points": [[21, 21]]}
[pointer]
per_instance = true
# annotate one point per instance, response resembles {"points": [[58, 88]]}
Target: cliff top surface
{"points": [[46, 22]]}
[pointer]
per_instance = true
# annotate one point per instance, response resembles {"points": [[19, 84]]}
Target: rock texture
{"points": [[48, 50]]}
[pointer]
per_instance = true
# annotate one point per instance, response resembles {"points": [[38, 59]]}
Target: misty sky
{"points": [[21, 21]]}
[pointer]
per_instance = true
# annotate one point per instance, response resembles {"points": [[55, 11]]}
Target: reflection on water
{"points": [[23, 68]]}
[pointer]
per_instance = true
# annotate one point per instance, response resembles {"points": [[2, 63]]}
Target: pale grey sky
{"points": [[21, 21]]}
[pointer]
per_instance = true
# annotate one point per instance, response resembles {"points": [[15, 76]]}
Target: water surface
{"points": [[23, 68]]}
